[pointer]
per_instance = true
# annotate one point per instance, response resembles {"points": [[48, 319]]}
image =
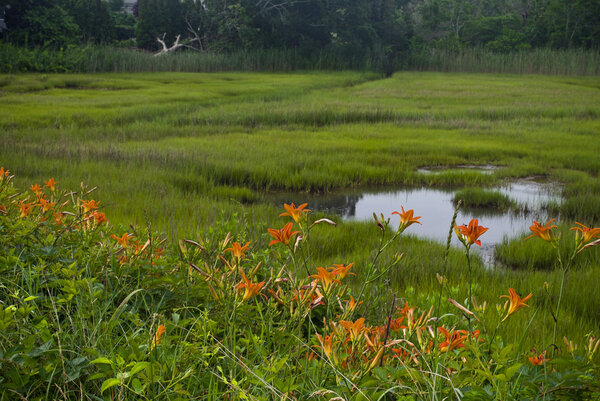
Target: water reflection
{"points": [[485, 169], [436, 208]]}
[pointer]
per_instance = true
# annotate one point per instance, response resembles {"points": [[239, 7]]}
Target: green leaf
{"points": [[108, 383], [512, 370], [137, 386], [123, 303], [103, 360], [139, 366], [98, 375]]}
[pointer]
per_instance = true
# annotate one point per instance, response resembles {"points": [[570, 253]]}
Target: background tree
{"points": [[158, 18], [94, 18], [40, 23]]}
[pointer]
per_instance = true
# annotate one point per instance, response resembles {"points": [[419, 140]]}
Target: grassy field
{"points": [[196, 153]]}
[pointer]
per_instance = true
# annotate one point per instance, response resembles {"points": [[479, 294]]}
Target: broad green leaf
{"points": [[139, 366], [512, 370], [108, 383], [103, 360]]}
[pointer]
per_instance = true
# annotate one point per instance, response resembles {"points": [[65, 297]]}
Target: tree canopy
{"points": [[346, 26]]}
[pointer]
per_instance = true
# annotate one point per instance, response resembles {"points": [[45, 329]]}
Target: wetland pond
{"points": [[436, 208]]}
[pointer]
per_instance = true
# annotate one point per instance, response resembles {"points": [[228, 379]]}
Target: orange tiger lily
{"points": [[538, 360], [354, 329], [160, 332], [36, 189], [282, 235], [516, 302], [351, 305], [90, 205], [294, 212], [453, 339], [121, 240], [469, 235], [45, 205], [237, 250], [325, 277], [406, 219], [544, 232], [327, 345], [585, 234], [342, 271], [100, 218], [251, 289], [50, 184], [25, 208]]}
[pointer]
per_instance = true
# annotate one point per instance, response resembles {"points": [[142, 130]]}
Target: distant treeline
{"points": [[300, 34]]}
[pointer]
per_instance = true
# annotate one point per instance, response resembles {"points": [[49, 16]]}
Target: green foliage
{"points": [[158, 19], [50, 27], [396, 33], [88, 308], [95, 21]]}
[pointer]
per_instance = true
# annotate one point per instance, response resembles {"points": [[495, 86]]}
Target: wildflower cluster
{"points": [[44, 205], [119, 317]]}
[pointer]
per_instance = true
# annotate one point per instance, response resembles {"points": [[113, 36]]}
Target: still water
{"points": [[436, 208]]}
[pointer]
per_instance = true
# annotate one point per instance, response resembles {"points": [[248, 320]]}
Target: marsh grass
{"points": [[531, 61], [93, 59], [479, 198], [196, 153]]}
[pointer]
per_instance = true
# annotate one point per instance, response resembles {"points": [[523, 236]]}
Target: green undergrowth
{"points": [[245, 309]]}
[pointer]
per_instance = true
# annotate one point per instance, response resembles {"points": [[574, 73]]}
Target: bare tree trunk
{"points": [[166, 49]]}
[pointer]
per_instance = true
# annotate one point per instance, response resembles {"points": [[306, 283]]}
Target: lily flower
{"points": [[25, 208], [452, 340], [282, 235], [354, 329], [237, 250], [538, 360], [406, 219], [342, 271], [100, 218], [90, 205], [57, 218], [516, 302], [544, 232], [327, 345], [121, 240], [325, 277], [469, 235], [160, 332], [3, 173], [251, 289], [351, 305], [585, 235], [37, 190], [45, 205], [50, 184], [295, 212]]}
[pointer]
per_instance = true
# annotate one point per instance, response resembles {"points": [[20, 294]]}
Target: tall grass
{"points": [[533, 61], [109, 59], [481, 198]]}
